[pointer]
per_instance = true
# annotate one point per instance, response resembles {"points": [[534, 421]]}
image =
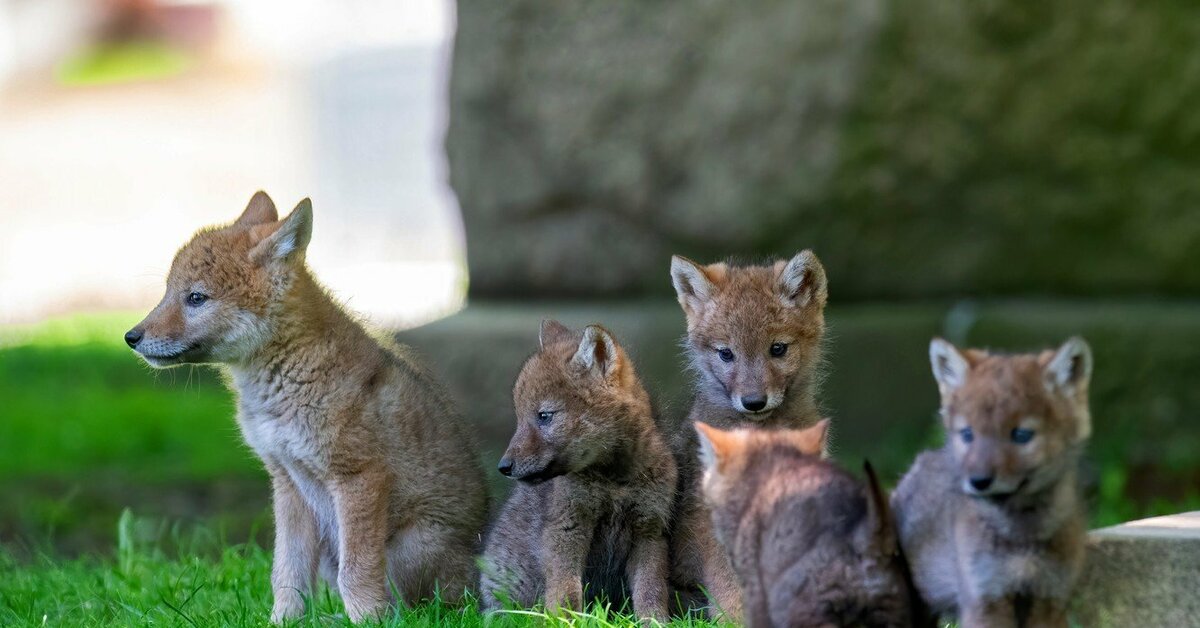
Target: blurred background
{"points": [[1002, 173]]}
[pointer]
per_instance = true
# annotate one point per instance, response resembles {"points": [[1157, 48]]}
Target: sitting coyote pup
{"points": [[597, 483], [754, 340], [811, 545], [992, 522], [374, 480]]}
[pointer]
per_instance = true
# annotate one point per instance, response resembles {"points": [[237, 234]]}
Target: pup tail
{"points": [[886, 538]]}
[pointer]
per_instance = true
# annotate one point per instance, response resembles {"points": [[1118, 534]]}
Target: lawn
{"points": [[205, 582]]}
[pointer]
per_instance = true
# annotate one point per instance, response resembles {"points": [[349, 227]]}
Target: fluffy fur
{"points": [[737, 318], [811, 545], [376, 482], [597, 482], [992, 523]]}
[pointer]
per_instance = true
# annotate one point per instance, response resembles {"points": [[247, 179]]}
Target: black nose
{"points": [[754, 403], [981, 483], [133, 336], [505, 467]]}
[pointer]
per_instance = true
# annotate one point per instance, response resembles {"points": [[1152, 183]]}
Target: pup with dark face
{"points": [[597, 482], [811, 545], [376, 483], [754, 338], [992, 522]]}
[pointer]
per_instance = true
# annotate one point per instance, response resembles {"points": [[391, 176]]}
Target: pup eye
{"points": [[545, 416], [778, 349], [1021, 435], [966, 434], [196, 298], [725, 354]]}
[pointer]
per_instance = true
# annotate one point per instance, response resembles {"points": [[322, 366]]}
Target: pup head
{"points": [[1010, 419], [755, 331], [222, 286], [570, 399], [726, 455]]}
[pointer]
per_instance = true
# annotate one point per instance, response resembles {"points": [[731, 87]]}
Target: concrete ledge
{"points": [[1142, 573]]}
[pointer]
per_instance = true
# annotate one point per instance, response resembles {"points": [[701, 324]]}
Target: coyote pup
{"points": [[375, 481], [754, 339], [811, 545], [597, 483], [992, 522]]}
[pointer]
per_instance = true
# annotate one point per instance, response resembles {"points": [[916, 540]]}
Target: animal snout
{"points": [[981, 482], [505, 467], [754, 403], [133, 337]]}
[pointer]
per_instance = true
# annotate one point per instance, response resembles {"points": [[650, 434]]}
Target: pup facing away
{"points": [[597, 482], [811, 545], [376, 484], [992, 523], [754, 337]]}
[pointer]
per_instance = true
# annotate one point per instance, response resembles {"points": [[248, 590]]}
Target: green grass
{"points": [[208, 582]]}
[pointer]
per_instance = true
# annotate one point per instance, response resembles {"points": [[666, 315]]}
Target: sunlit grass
{"points": [[209, 582]]}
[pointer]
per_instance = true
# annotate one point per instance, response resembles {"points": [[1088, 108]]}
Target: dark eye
{"points": [[778, 349], [1021, 435], [966, 434], [545, 416], [725, 354], [196, 298]]}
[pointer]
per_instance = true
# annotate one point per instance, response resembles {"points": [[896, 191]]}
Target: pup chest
{"points": [[284, 435]]}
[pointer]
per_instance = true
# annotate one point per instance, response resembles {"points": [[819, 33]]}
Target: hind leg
{"points": [[425, 560]]}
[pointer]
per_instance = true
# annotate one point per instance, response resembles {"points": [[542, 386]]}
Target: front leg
{"points": [[294, 567], [360, 500], [565, 543], [647, 574]]}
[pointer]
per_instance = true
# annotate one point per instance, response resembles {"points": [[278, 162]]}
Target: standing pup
{"points": [[754, 340], [811, 545], [375, 481], [597, 483], [992, 522]]}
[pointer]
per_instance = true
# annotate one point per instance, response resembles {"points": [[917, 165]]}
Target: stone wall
{"points": [[922, 147]]}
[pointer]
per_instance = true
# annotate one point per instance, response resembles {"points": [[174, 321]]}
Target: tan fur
{"points": [[376, 482], [745, 309], [995, 529], [809, 544], [590, 515]]}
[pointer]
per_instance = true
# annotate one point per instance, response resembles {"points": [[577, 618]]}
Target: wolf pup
{"points": [[992, 522], [597, 483], [754, 338], [811, 545], [374, 479]]}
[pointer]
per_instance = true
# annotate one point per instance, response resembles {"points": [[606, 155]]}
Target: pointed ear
{"points": [[811, 441], [260, 210], [1070, 369], [802, 282], [290, 237], [950, 367], [597, 352], [693, 286], [718, 447], [552, 331]]}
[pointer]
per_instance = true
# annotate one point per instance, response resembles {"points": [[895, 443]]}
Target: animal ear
{"points": [[950, 367], [597, 352], [718, 447], [693, 285], [288, 237], [811, 441], [260, 210], [802, 282], [1070, 369], [552, 331]]}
